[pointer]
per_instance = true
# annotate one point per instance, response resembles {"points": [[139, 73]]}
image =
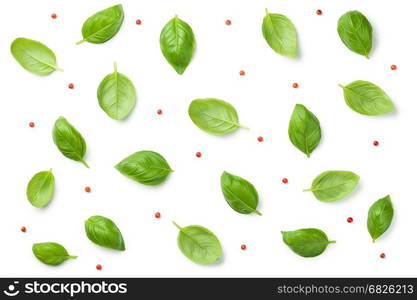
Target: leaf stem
{"points": [[244, 127], [72, 256], [85, 163], [115, 67], [332, 242], [59, 69], [80, 42], [266, 10], [308, 190], [257, 212], [176, 225], [341, 85]]}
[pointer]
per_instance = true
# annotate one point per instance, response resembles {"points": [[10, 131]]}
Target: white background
{"points": [[264, 99]]}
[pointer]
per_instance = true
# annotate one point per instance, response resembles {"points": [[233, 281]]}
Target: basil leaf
{"points": [[304, 129], [239, 193], [69, 141], [214, 116], [380, 216], [177, 44], [103, 232], [40, 189], [355, 31], [103, 25], [366, 98], [51, 253], [146, 167], [34, 56], [116, 95], [308, 242], [199, 244], [280, 34], [331, 186]]}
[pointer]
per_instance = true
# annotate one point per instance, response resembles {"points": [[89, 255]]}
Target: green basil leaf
{"points": [[280, 34], [103, 25], [239, 193], [103, 232], [69, 141], [331, 186], [355, 31], [214, 116], [40, 189], [34, 56], [199, 244], [308, 242], [380, 216], [304, 129], [116, 95], [366, 98], [50, 253], [177, 44], [146, 167]]}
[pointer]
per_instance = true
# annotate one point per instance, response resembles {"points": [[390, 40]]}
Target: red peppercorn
{"points": [[23, 229], [376, 143], [31, 124], [242, 73], [87, 189], [243, 247], [71, 86], [295, 85], [53, 16], [198, 154], [159, 111], [393, 67], [228, 22], [349, 220], [138, 22], [99, 267], [284, 180], [157, 215], [260, 139], [382, 255], [319, 12]]}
